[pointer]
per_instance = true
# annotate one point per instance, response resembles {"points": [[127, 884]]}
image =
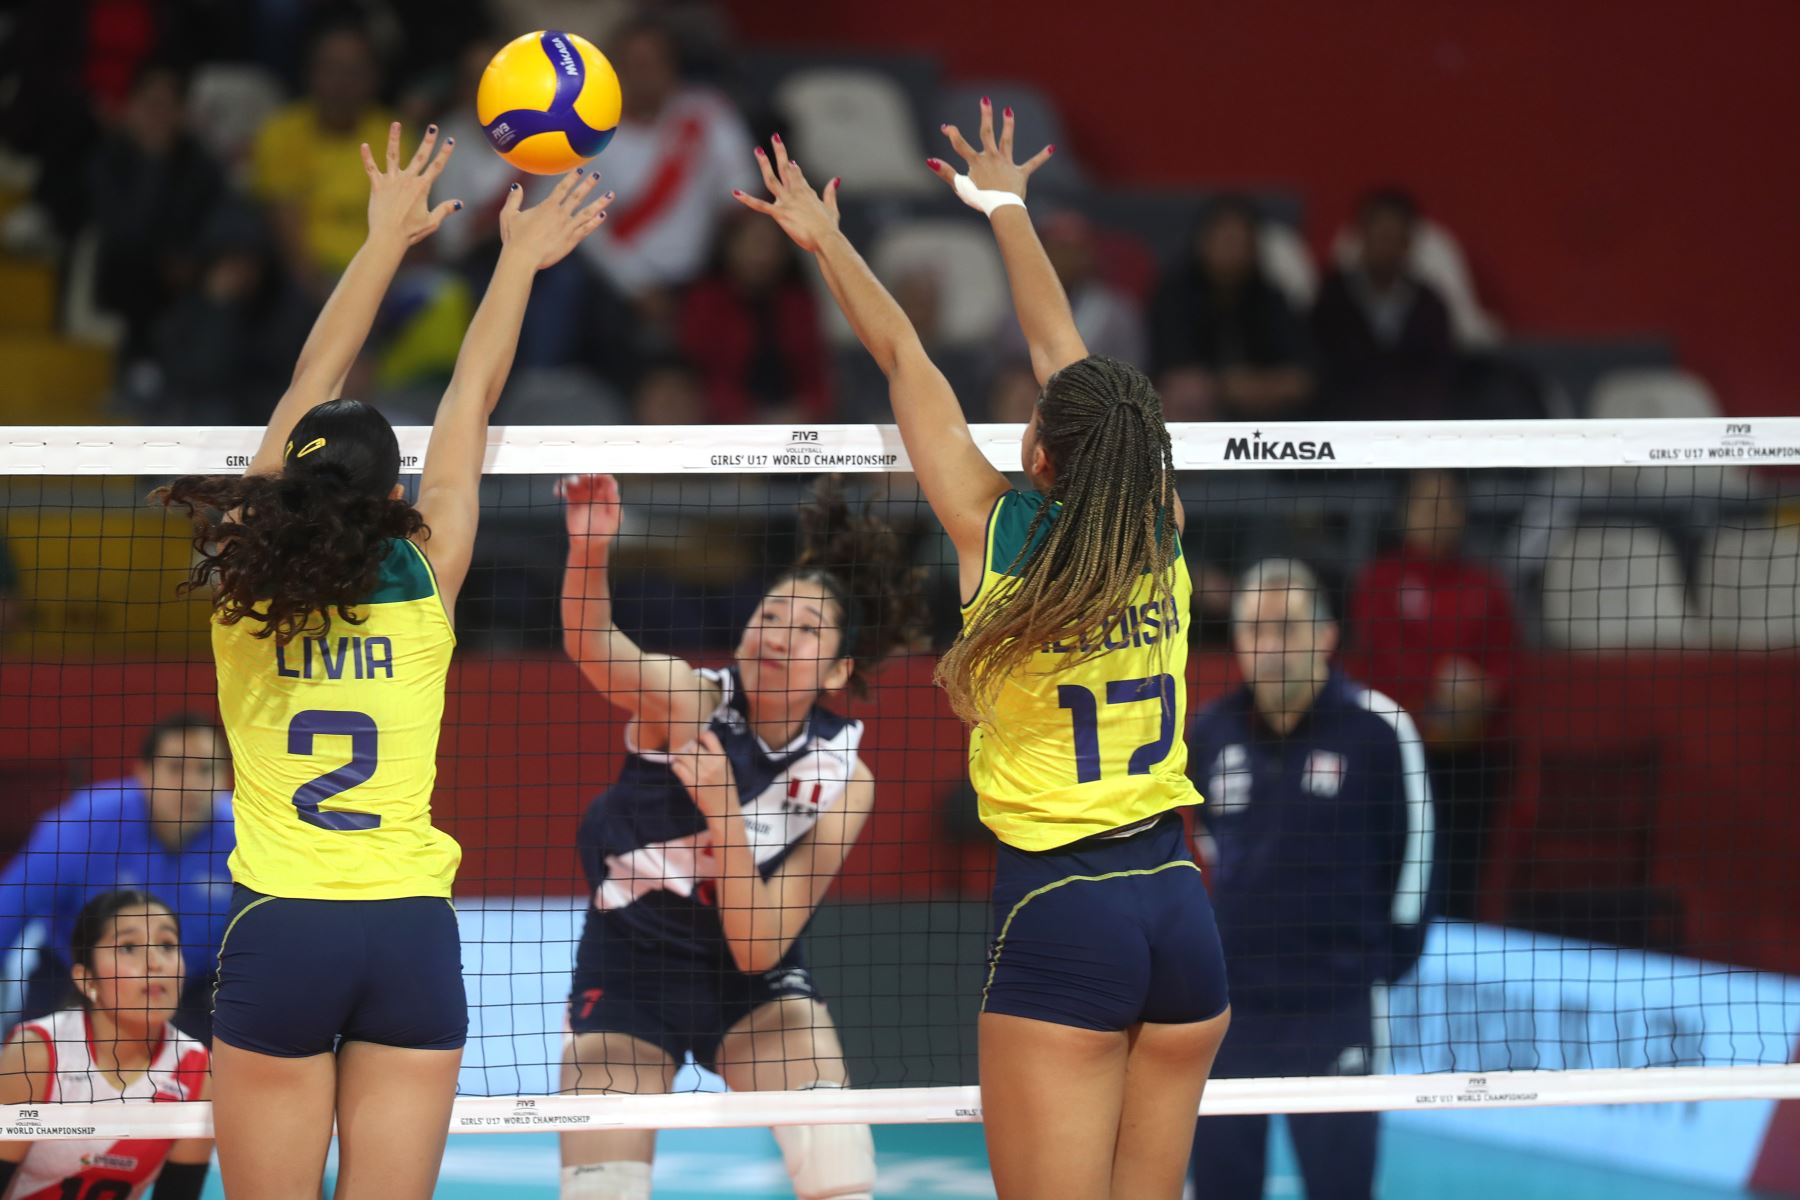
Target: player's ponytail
{"points": [[1101, 426], [859, 561], [307, 543]]}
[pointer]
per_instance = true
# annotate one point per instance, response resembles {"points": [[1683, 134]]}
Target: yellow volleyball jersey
{"points": [[334, 745], [1080, 748]]}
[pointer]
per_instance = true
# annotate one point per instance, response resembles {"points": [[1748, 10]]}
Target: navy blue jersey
{"points": [[645, 848], [1323, 846]]}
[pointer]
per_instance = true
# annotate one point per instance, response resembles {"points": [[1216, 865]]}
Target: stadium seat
{"points": [[972, 295], [1615, 587], [855, 123], [1750, 587], [228, 103], [1438, 259], [1633, 393]]}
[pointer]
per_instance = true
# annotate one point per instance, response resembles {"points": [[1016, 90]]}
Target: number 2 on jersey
{"points": [[360, 729], [1084, 711]]}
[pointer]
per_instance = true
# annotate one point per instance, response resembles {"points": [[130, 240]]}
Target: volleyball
{"points": [[548, 102]]}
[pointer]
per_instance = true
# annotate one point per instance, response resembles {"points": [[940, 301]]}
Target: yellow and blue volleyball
{"points": [[548, 102]]}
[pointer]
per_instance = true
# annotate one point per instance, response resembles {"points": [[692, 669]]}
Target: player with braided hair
{"points": [[1105, 1001], [740, 799]]}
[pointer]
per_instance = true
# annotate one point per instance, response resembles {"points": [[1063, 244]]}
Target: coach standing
{"points": [[1317, 829], [165, 829]]}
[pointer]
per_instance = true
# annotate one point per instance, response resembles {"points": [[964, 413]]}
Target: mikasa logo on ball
{"points": [[568, 59]]}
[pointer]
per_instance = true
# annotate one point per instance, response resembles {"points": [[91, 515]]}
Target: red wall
{"points": [[527, 745], [1610, 168]]}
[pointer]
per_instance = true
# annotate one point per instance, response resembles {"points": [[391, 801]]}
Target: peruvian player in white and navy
{"points": [[116, 1044], [739, 802]]}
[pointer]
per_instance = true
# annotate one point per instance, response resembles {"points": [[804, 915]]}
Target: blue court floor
{"points": [[932, 1162]]}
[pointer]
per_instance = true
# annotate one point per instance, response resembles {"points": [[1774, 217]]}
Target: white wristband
{"points": [[984, 202]]}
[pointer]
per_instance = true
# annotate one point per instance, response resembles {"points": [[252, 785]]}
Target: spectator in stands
{"points": [[1107, 318], [678, 153], [752, 328], [1224, 343], [669, 392], [165, 829], [1317, 838], [151, 188], [1435, 630], [305, 162], [225, 352], [1385, 345]]}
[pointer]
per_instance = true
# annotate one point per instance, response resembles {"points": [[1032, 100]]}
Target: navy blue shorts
{"points": [[681, 1003], [295, 976], [1105, 933]]}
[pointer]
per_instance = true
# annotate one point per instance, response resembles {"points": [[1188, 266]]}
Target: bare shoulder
{"points": [[25, 1064]]}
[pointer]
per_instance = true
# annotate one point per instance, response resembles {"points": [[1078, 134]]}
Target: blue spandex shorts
{"points": [[1105, 933], [681, 1002], [296, 976]]}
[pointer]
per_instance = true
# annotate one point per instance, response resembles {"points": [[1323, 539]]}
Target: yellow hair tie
{"points": [[315, 444]]}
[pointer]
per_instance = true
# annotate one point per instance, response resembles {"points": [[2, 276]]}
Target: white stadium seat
{"points": [[855, 123], [1750, 587], [1615, 587]]}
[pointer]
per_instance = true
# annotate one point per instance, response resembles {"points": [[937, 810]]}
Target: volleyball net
{"points": [[1590, 627]]}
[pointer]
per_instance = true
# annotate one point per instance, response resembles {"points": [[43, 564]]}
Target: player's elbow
{"points": [[755, 956]]}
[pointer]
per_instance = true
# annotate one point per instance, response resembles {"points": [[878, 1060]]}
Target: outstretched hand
{"points": [[547, 231], [590, 506], [991, 168], [806, 216], [400, 197]]}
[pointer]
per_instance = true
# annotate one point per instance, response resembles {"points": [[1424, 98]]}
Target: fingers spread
{"points": [[442, 160], [368, 157], [959, 143], [514, 198], [561, 195], [393, 147], [424, 151], [752, 203], [1039, 159], [942, 170], [1006, 134], [781, 154], [987, 124], [767, 167]]}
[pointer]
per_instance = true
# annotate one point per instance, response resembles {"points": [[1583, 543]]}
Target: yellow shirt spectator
{"points": [[318, 172]]}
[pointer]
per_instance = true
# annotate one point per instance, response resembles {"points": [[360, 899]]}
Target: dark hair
{"points": [[1388, 199], [1228, 206], [97, 915], [1100, 423], [857, 558], [179, 722], [308, 541]]}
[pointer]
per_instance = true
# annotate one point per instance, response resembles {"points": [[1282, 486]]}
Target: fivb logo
{"points": [[563, 52], [1255, 449]]}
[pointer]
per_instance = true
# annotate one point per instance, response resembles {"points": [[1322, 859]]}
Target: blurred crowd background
{"points": [[1284, 212]]}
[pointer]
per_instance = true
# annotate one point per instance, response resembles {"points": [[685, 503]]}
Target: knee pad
{"points": [[828, 1162], [607, 1181]]}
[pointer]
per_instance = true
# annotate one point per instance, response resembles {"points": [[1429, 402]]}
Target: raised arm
{"points": [[761, 918], [534, 239], [399, 215], [667, 698], [1038, 297], [958, 481]]}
